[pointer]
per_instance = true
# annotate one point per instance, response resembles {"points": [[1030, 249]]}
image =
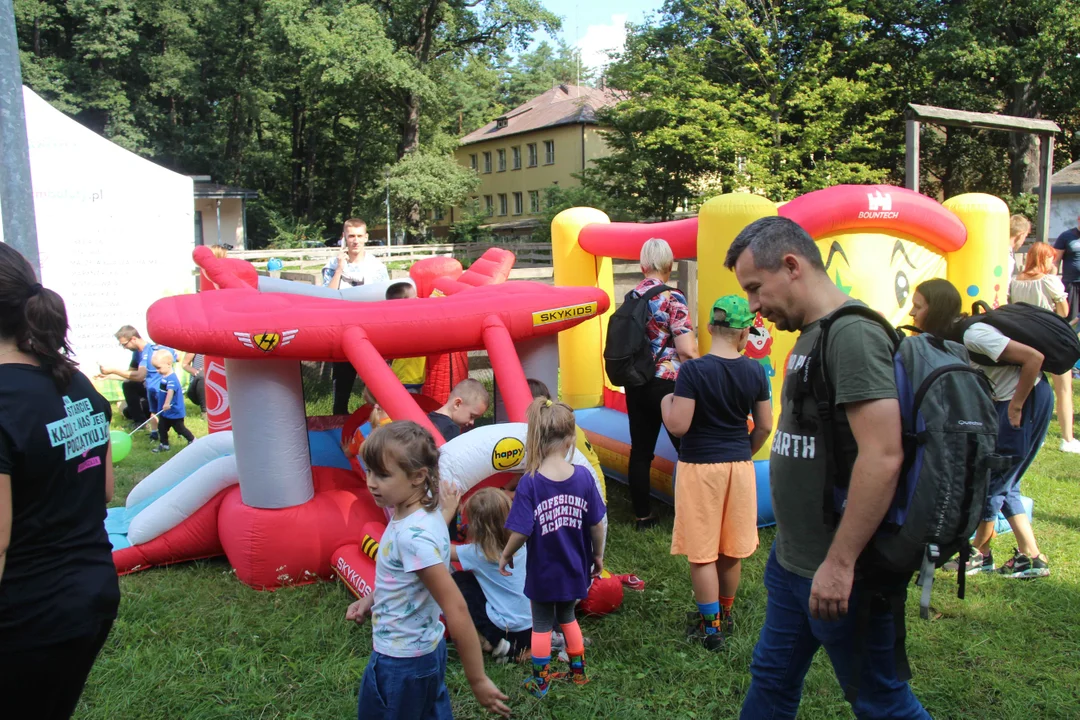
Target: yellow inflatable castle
{"points": [[878, 243]]}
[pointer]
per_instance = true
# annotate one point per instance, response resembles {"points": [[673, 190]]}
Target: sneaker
{"points": [[1071, 446], [974, 566], [727, 622], [1022, 567], [645, 523], [160, 448], [713, 642]]}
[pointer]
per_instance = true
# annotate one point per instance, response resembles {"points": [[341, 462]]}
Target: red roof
{"points": [[562, 105]]}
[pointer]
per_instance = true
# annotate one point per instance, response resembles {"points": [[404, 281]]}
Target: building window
{"points": [[534, 201], [549, 152], [518, 204], [532, 155], [515, 157], [502, 160], [502, 122], [472, 161], [502, 203], [487, 162], [440, 213], [488, 206]]}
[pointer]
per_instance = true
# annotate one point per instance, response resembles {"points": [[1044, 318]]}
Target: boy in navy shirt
{"points": [[716, 486], [170, 395]]}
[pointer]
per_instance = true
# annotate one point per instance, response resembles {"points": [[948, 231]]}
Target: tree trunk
{"points": [[1023, 147], [410, 142], [297, 155]]}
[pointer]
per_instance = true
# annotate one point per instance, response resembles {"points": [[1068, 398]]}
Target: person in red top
{"points": [[672, 340]]}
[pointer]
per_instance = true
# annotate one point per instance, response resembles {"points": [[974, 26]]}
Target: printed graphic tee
{"points": [[860, 365], [405, 617], [59, 580], [557, 518]]}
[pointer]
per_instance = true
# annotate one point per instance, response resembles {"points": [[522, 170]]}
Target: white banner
{"points": [[115, 231]]}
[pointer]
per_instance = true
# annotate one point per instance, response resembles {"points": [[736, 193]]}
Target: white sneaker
{"points": [[1071, 446], [501, 649]]}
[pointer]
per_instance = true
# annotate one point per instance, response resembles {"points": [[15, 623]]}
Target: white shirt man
{"points": [[353, 266]]}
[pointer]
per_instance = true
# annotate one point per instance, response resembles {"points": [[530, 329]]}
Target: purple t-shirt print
{"points": [[557, 518]]}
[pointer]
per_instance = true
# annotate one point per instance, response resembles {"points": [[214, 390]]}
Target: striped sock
{"points": [[710, 613]]}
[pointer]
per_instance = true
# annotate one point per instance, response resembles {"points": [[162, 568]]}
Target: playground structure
{"points": [[272, 489], [878, 241]]}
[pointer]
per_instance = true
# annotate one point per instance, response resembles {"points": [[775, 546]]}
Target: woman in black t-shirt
{"points": [[58, 585]]}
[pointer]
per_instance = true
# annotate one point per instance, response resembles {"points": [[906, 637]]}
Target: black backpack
{"points": [[1047, 332], [949, 428], [628, 357]]}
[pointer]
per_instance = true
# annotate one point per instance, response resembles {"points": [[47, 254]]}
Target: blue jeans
{"points": [[1022, 444], [789, 640], [405, 688]]}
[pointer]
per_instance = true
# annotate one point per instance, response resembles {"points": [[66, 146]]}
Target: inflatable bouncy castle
{"points": [[878, 242], [272, 489]]}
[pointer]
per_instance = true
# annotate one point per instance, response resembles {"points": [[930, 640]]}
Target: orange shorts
{"points": [[715, 511]]}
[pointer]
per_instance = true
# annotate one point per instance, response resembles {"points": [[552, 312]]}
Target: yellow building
{"points": [[521, 154]]}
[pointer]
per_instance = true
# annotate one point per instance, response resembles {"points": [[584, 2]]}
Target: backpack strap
{"points": [[814, 381], [888, 593]]}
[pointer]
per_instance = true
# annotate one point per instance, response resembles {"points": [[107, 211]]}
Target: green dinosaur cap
{"points": [[737, 313]]}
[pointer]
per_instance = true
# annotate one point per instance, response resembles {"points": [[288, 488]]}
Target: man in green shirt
{"points": [[810, 575]]}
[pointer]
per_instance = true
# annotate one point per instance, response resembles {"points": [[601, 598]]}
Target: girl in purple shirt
{"points": [[558, 510]]}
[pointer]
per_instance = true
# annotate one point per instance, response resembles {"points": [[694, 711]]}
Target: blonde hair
{"points": [[1019, 225], [487, 510], [220, 251], [551, 424], [656, 256], [352, 222], [472, 392], [410, 447], [163, 357]]}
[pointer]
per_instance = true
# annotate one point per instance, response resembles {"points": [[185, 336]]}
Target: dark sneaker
{"points": [[160, 448], [727, 622], [644, 524], [713, 642], [1022, 567], [975, 564], [988, 562]]}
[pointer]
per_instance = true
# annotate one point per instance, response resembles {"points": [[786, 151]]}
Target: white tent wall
{"points": [[115, 231]]}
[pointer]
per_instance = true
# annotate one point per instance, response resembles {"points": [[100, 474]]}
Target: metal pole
{"points": [[16, 189], [911, 164], [1046, 170], [387, 208], [218, 222]]}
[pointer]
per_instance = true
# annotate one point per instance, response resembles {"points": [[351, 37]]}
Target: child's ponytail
{"points": [[550, 425], [34, 316]]}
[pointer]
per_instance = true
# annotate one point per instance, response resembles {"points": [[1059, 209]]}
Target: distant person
{"points": [[135, 406], [671, 338], [1019, 229], [468, 400], [353, 266], [129, 339], [220, 251], [1067, 252], [1038, 285], [58, 588], [814, 597], [716, 493], [196, 389], [1024, 405], [171, 401], [410, 371]]}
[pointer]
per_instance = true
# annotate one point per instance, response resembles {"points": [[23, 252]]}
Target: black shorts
{"points": [[1072, 295]]}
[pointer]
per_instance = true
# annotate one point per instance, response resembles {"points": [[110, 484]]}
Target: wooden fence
{"points": [[526, 253]]}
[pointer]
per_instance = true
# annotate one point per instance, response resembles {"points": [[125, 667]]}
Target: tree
{"points": [[428, 180]]}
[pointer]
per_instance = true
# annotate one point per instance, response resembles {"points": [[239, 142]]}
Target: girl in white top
{"points": [[405, 674], [1024, 405], [1038, 285]]}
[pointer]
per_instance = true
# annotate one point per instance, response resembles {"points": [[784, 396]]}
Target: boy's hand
{"points": [[166, 406], [359, 611], [598, 565], [504, 562], [490, 696]]}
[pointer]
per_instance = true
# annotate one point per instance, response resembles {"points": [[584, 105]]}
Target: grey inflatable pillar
{"points": [[273, 461], [540, 361]]}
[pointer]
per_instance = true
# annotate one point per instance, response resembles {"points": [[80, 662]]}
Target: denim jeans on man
{"points": [[405, 688], [790, 638]]}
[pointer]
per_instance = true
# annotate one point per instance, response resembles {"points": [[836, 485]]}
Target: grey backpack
{"points": [[950, 430]]}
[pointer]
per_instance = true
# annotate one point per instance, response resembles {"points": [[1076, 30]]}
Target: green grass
{"points": [[193, 642]]}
